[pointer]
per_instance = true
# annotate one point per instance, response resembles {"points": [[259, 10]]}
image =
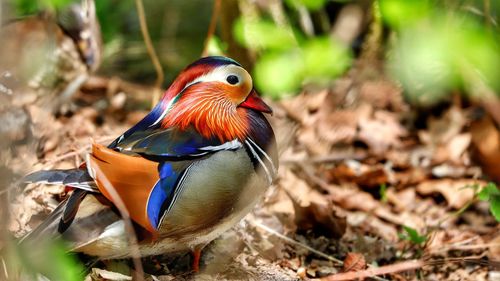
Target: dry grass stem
{"points": [[151, 50]]}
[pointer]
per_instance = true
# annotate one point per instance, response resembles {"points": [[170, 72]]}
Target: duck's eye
{"points": [[232, 79]]}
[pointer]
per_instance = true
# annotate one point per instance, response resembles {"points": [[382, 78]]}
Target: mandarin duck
{"points": [[187, 172]]}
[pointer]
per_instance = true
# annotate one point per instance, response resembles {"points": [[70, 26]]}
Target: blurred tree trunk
{"points": [[230, 12]]}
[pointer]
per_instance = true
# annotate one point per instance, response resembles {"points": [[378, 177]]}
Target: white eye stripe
{"points": [[221, 73]]}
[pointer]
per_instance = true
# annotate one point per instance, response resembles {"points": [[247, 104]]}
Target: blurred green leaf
{"points": [[324, 59], [318, 60], [216, 47], [495, 207], [28, 7], [413, 236], [491, 194], [443, 52], [488, 191], [309, 4], [383, 193], [51, 259], [56, 4], [399, 13], [263, 34], [279, 73]]}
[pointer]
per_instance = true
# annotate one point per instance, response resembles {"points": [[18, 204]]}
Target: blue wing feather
{"points": [[173, 145], [145, 124], [160, 144], [162, 193]]}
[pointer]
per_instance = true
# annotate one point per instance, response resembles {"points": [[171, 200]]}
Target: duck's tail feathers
{"points": [[77, 178]]}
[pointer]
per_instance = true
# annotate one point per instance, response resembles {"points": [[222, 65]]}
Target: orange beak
{"points": [[254, 102]]}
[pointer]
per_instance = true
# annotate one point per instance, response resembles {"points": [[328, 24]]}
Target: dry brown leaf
{"points": [[300, 107], [312, 210], [403, 200], [443, 129], [337, 126], [354, 262], [308, 137], [494, 249], [381, 94], [486, 140], [454, 171], [369, 176], [381, 131], [410, 177], [101, 274], [456, 192], [457, 146], [352, 199]]}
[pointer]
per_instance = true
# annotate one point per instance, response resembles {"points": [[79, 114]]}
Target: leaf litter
{"points": [[362, 189]]}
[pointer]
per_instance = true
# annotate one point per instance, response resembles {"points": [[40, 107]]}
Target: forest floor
{"points": [[367, 183]]}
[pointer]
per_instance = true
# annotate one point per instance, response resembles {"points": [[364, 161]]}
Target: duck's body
{"points": [[185, 174], [183, 228]]}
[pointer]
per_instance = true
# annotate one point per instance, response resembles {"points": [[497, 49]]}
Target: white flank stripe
{"points": [[265, 154], [269, 177], [230, 145]]}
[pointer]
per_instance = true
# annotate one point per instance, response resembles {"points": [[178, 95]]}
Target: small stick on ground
{"points": [[372, 272]]}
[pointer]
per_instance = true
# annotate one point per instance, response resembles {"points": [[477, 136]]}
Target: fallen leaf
{"points": [[381, 131], [457, 146], [444, 128], [352, 199], [109, 275], [354, 262], [312, 210], [369, 176], [486, 141], [494, 249], [456, 192]]}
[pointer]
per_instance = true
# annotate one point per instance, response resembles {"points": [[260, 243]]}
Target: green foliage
{"points": [[383, 192], [309, 4], [287, 58], [491, 194], [48, 258], [437, 50], [27, 7], [278, 72], [400, 14], [263, 34], [324, 58], [112, 15], [216, 47], [412, 236]]}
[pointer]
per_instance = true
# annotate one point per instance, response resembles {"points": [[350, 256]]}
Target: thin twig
{"points": [[296, 243], [465, 247], [211, 27], [487, 13], [5, 271], [75, 152], [373, 272], [151, 50], [132, 237], [334, 157]]}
